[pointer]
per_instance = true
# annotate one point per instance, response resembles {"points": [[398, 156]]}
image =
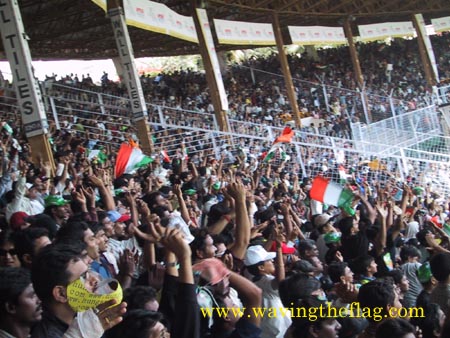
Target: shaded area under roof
{"points": [[68, 29]]}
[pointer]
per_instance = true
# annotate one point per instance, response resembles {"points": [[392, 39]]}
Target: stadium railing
{"points": [[424, 157]]}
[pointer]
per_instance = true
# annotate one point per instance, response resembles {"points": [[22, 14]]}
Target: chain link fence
{"points": [[410, 146]]}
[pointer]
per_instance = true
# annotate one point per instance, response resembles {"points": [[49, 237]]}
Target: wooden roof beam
{"points": [[288, 4], [263, 3], [310, 6], [342, 4]]}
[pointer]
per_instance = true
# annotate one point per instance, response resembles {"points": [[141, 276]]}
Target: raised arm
{"points": [[372, 213], [104, 192], [183, 208], [380, 242], [280, 272], [243, 225], [251, 297], [186, 318]]}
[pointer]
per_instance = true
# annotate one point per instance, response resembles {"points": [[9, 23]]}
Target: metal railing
{"points": [[401, 131], [443, 93], [406, 145]]}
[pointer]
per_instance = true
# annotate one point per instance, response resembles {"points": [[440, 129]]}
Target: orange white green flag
{"points": [[277, 145], [332, 193], [130, 158]]}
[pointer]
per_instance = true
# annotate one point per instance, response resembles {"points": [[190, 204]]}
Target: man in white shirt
{"points": [[24, 198]]}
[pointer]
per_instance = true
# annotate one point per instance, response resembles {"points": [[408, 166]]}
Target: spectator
{"points": [[24, 196], [53, 269], [378, 294], [432, 321], [141, 297], [410, 256], [57, 208], [28, 242], [20, 308], [440, 267], [323, 326], [267, 276], [139, 322], [395, 328], [365, 268], [428, 283], [8, 252]]}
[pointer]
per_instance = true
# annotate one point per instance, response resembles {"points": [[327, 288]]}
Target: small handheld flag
{"points": [[331, 193], [130, 158], [285, 137]]}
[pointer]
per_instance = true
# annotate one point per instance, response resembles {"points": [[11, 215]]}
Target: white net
{"points": [[410, 147]]}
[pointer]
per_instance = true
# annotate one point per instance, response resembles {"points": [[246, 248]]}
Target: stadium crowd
{"points": [[186, 233], [388, 70]]}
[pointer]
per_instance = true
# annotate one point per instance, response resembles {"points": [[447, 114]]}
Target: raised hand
{"points": [[126, 262], [89, 193], [97, 182], [143, 208], [173, 240], [347, 291], [237, 191], [381, 211], [79, 196], [177, 190], [110, 314]]}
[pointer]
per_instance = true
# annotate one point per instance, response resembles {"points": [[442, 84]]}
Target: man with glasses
{"points": [[8, 253]]}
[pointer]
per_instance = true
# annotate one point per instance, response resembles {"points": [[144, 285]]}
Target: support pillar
{"points": [[426, 51], [211, 64], [130, 75], [356, 66], [286, 71], [29, 97], [222, 58]]}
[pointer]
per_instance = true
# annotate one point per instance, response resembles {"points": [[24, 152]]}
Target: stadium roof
{"points": [[68, 29]]}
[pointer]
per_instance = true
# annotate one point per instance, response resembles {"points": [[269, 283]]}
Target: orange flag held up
{"points": [[286, 136]]}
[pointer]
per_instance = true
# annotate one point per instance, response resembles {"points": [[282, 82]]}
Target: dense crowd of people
{"points": [[186, 237], [207, 244], [393, 70]]}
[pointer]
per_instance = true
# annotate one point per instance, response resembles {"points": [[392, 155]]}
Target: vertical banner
{"points": [[206, 31], [130, 74], [17, 51], [428, 46]]}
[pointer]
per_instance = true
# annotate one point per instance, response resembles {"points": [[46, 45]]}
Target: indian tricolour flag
{"points": [[165, 156], [97, 154], [285, 137], [130, 158], [331, 193], [343, 174]]}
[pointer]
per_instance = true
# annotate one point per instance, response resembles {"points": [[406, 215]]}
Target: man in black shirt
{"points": [[54, 268], [20, 308]]}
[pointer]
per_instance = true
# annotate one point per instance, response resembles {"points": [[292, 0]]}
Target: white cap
{"points": [[321, 220], [256, 254]]}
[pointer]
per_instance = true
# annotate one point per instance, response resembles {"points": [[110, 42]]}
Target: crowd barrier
{"points": [[407, 146]]}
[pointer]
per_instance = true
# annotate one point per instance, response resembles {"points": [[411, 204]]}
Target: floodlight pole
{"points": [[130, 75], [29, 97], [286, 71], [356, 66]]}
